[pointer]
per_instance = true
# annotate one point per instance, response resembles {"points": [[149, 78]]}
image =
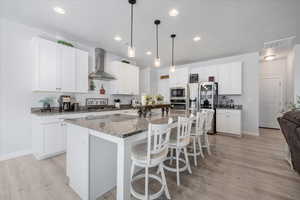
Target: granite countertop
{"points": [[55, 111], [236, 107], [121, 125]]}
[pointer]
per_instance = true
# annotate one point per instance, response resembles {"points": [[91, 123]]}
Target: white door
{"points": [[47, 65], [68, 69], [82, 61], [270, 101]]}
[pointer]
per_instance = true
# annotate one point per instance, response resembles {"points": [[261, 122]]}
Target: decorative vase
{"points": [[102, 90]]}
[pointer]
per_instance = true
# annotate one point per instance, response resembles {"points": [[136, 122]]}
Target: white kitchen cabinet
{"points": [[67, 67], [127, 78], [48, 137], [54, 137], [230, 78], [46, 62], [59, 68], [179, 77], [49, 132], [82, 73], [229, 121]]}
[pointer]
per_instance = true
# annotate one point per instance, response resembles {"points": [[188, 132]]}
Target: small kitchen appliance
{"points": [[96, 103], [64, 103]]}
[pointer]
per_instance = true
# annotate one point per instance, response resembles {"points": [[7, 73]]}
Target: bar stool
{"points": [[151, 154], [196, 134], [207, 127], [178, 142]]}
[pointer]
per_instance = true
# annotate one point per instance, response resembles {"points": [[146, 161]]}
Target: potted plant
{"points": [[159, 99], [47, 101], [149, 100], [295, 106]]}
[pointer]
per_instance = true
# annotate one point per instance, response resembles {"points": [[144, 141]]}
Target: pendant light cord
{"points": [[172, 51], [157, 41], [131, 28]]}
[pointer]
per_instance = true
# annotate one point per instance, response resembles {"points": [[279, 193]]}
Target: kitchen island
{"points": [[98, 152]]}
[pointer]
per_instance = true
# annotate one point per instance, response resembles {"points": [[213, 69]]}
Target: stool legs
{"points": [[163, 176], [187, 160], [146, 183], [207, 143], [195, 153], [200, 146], [177, 166]]}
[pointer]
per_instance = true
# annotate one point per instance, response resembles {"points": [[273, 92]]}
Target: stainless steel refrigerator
{"points": [[202, 96]]}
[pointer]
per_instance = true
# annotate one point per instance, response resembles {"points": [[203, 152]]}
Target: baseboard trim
{"points": [[14, 155], [250, 133]]}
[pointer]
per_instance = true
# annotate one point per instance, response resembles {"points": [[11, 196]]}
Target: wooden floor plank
{"points": [[247, 168]]}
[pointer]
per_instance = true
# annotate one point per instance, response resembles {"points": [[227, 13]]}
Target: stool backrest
{"points": [[200, 122], [209, 118], [184, 130], [158, 139]]}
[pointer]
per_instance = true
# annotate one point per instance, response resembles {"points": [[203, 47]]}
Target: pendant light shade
{"points": [[157, 59], [172, 67], [131, 49]]}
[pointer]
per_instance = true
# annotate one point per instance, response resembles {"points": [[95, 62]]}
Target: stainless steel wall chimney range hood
{"points": [[99, 73]]}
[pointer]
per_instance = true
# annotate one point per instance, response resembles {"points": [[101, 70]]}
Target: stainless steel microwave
{"points": [[178, 92]]}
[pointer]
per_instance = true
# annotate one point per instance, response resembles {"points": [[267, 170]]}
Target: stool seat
{"points": [[173, 139], [139, 153]]}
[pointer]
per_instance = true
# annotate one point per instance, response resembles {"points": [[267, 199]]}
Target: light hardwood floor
{"points": [[248, 168]]}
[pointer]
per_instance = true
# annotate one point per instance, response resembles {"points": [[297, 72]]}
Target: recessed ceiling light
{"points": [[173, 12], [149, 53], [269, 57], [117, 38], [197, 38], [59, 10]]}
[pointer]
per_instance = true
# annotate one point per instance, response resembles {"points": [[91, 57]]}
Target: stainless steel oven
{"points": [[178, 98], [178, 92]]}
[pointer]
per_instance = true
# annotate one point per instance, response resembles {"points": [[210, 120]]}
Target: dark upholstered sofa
{"points": [[290, 126]]}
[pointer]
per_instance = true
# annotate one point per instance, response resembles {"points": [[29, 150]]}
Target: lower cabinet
{"points": [[48, 138], [229, 121], [49, 133]]}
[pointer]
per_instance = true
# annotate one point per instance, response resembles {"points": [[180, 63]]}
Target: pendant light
{"points": [[131, 49], [172, 67], [157, 59]]}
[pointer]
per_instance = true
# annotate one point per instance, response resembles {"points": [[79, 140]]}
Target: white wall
{"points": [[290, 78], [16, 86], [250, 97], [1, 87], [297, 71]]}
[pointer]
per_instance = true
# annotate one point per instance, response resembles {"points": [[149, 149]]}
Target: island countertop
{"points": [[121, 125]]}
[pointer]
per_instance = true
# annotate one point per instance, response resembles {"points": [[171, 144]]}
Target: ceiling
{"points": [[227, 27]]}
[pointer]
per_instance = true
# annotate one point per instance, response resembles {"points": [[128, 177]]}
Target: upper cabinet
{"points": [[46, 62], [127, 78], [179, 77], [59, 68], [230, 78], [82, 70], [67, 67]]}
